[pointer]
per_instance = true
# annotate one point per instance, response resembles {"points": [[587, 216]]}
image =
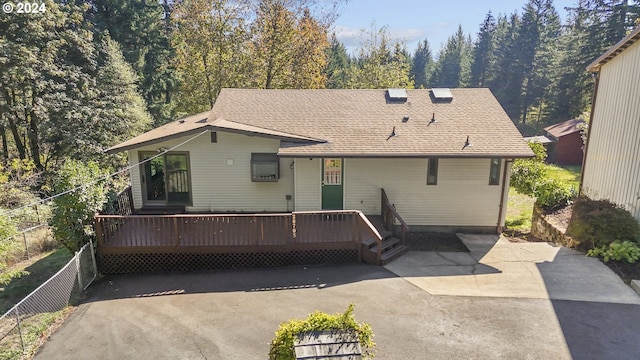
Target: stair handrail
{"points": [[373, 231], [389, 213]]}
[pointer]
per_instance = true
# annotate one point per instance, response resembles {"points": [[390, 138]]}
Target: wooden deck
{"points": [[196, 235], [134, 242]]}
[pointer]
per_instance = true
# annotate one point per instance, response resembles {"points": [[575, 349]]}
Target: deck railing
{"points": [[228, 232], [389, 215]]}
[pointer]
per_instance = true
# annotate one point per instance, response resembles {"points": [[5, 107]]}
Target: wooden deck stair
{"points": [[392, 247]]}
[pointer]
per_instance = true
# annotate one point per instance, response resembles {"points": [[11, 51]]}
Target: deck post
{"points": [[130, 196], [294, 229], [176, 233], [355, 217], [97, 228]]}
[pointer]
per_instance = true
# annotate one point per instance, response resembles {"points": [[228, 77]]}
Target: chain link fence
{"points": [[53, 295]]}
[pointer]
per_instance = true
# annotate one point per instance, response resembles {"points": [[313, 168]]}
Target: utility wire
{"points": [[9, 212]]}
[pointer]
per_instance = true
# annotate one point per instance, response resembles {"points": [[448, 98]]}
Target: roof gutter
{"points": [[501, 206], [406, 156]]}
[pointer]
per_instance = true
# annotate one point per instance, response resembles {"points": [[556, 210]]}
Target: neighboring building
{"points": [[442, 156], [611, 167], [566, 147]]}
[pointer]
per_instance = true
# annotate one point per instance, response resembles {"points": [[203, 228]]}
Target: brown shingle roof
{"points": [[351, 123], [196, 123], [564, 128], [185, 126], [359, 122]]}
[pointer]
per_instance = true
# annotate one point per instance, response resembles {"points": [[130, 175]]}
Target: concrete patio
{"points": [[495, 267]]}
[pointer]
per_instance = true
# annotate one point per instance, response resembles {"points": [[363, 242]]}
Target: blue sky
{"points": [[412, 21]]}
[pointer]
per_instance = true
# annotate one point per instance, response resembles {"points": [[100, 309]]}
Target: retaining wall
{"points": [[544, 230]]}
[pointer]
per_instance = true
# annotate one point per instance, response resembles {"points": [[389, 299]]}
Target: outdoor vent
{"points": [[397, 94], [441, 95]]}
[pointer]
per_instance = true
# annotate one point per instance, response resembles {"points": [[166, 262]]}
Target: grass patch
{"points": [[13, 250], [567, 174], [35, 271], [34, 332], [520, 207], [519, 212]]}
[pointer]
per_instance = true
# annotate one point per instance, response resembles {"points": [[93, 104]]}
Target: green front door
{"points": [[332, 178]]}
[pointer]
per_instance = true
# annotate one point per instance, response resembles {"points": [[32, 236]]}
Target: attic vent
{"points": [[441, 94], [397, 94]]}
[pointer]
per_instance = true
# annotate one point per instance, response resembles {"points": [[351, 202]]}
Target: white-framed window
{"points": [[264, 167]]}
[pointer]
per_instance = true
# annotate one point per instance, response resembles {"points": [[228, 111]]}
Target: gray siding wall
{"points": [[612, 165], [221, 174]]}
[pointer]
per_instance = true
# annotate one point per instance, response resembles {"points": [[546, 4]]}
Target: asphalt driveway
{"points": [[552, 314]]}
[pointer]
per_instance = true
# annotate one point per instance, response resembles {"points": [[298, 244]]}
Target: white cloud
{"points": [[352, 38]]}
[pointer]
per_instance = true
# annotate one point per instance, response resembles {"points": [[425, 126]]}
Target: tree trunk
{"points": [[13, 127], [33, 141], [208, 80], [5, 148]]}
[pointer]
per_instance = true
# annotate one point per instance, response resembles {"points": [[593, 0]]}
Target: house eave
{"points": [[615, 50], [117, 149]]}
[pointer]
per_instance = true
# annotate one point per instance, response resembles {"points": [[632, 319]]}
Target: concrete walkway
{"points": [[501, 301], [495, 267]]}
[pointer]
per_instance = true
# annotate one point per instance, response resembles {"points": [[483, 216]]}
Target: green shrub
{"points": [[619, 251], [533, 177], [595, 223], [553, 193], [527, 173], [73, 212], [7, 226], [282, 346]]}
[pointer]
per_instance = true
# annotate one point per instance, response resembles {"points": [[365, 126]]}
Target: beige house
{"points": [[443, 156], [611, 168]]}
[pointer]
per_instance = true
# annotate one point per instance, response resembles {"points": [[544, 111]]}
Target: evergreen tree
{"points": [[142, 30], [537, 40], [606, 22], [572, 87], [377, 66], [338, 63], [503, 80], [121, 110], [47, 70], [452, 68], [422, 64], [483, 58]]}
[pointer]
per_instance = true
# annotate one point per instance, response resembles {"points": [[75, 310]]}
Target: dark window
{"points": [[494, 172], [214, 137], [432, 171], [264, 167]]}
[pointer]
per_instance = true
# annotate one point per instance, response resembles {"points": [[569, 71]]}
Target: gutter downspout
{"points": [[586, 146], [501, 206]]}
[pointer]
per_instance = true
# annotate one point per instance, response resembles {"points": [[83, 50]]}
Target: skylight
{"points": [[442, 94], [397, 94]]}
